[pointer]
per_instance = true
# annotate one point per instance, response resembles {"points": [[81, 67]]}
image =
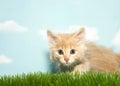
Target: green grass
{"points": [[61, 79]]}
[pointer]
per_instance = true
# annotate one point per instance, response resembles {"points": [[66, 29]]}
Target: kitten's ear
{"points": [[52, 37], [80, 35]]}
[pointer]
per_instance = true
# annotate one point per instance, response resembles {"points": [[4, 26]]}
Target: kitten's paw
{"points": [[81, 69]]}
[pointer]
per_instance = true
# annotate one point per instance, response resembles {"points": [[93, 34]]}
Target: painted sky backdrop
{"points": [[23, 24]]}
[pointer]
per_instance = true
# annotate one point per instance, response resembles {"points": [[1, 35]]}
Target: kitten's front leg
{"points": [[82, 68]]}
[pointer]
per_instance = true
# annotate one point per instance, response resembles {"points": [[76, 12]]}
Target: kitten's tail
{"points": [[118, 58]]}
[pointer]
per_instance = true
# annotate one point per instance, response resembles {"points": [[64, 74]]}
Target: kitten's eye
{"points": [[60, 52], [72, 51]]}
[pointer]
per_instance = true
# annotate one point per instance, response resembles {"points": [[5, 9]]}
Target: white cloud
{"points": [[5, 60], [42, 32], [91, 32], [11, 26], [116, 40]]}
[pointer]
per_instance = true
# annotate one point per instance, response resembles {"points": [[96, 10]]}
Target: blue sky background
{"points": [[23, 44]]}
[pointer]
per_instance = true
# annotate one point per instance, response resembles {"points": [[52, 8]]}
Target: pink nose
{"points": [[66, 59]]}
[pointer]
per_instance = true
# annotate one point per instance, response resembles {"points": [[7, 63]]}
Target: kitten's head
{"points": [[67, 49]]}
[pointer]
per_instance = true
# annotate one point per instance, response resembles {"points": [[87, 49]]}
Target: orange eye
{"points": [[60, 52], [72, 51]]}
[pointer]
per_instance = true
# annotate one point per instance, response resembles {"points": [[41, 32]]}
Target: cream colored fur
{"points": [[88, 56]]}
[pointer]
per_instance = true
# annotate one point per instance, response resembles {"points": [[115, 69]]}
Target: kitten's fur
{"points": [[87, 56]]}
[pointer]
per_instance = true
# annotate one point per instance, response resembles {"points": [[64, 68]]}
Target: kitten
{"points": [[74, 54]]}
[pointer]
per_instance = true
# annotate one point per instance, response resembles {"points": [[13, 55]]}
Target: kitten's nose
{"points": [[66, 59]]}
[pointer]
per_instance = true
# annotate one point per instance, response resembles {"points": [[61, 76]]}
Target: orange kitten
{"points": [[74, 54]]}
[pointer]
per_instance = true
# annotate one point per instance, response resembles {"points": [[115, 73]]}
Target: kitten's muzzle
{"points": [[66, 59]]}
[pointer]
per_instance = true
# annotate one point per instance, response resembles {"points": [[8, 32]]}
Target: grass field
{"points": [[61, 79]]}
